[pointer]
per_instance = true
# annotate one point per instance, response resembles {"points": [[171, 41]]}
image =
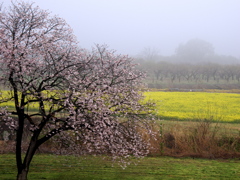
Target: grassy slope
{"points": [[69, 167], [223, 128]]}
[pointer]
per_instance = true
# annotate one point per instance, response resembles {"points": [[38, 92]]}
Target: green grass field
{"points": [[196, 105], [68, 167]]}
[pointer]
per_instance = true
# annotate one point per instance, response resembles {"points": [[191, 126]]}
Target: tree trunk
{"points": [[23, 174], [24, 167]]}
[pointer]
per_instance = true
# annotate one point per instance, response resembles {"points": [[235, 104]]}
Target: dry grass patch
{"points": [[197, 139]]}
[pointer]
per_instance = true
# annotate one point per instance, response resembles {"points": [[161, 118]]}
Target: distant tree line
{"points": [[193, 62], [178, 72]]}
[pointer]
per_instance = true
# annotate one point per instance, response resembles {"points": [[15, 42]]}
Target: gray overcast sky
{"points": [[129, 26]]}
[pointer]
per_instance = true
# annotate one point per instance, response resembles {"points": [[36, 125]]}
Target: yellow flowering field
{"points": [[4, 94], [196, 105], [184, 105]]}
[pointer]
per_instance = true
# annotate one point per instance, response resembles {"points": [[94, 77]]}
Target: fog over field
{"points": [[130, 26]]}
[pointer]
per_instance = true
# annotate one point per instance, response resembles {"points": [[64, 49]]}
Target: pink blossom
{"points": [[91, 94]]}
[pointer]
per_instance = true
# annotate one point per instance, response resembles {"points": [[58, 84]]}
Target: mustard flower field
{"points": [[5, 94], [184, 105], [196, 105]]}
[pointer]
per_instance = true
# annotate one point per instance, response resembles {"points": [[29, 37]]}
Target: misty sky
{"points": [[129, 26]]}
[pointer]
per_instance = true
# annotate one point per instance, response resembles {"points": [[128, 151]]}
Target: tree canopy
{"points": [[97, 91], [195, 50]]}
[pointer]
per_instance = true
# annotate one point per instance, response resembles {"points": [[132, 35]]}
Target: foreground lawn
{"points": [[91, 167], [196, 105]]}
